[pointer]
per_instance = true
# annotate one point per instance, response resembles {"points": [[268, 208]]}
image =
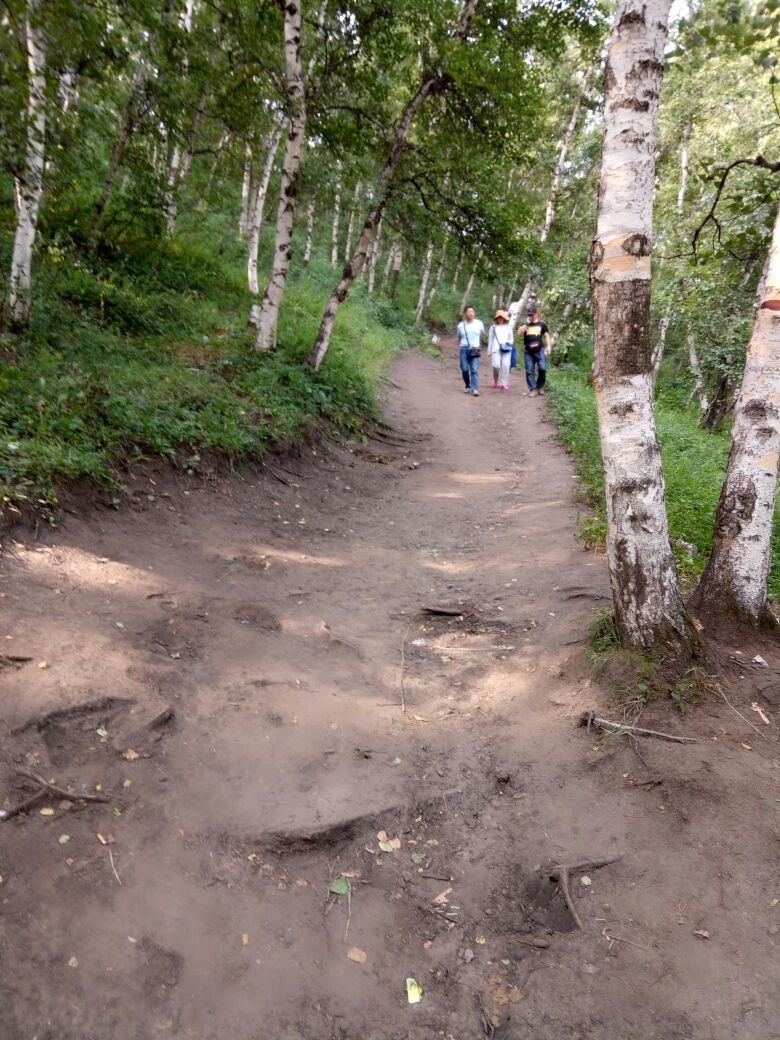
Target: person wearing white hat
{"points": [[500, 343]]}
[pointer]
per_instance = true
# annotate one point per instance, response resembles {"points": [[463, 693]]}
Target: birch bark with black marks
{"points": [[309, 233], [373, 258], [334, 250], [296, 140], [258, 196], [124, 133], [734, 580], [177, 156], [28, 183], [660, 343], [424, 276], [643, 574]]}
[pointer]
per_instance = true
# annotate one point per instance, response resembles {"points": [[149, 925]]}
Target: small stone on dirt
{"points": [[468, 956], [357, 955]]}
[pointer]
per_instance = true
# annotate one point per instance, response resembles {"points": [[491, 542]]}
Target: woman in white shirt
{"points": [[500, 342]]}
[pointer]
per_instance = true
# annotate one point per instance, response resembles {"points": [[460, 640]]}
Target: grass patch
{"points": [[149, 354], [694, 464]]}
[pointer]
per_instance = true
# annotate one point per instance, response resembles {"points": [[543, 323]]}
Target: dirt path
{"points": [[224, 659]]}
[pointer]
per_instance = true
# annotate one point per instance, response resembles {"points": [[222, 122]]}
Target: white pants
{"points": [[501, 362]]}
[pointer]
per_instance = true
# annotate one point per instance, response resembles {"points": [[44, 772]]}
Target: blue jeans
{"points": [[533, 360], [469, 369]]}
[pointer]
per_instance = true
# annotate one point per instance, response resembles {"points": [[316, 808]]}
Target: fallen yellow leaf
{"points": [[130, 755], [73, 962], [481, 940], [357, 955], [245, 939], [48, 811]]}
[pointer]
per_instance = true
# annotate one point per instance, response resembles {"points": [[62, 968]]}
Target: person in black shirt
{"points": [[538, 347]]}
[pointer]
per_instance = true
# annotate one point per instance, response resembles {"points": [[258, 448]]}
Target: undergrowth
{"points": [[694, 463], [148, 352]]}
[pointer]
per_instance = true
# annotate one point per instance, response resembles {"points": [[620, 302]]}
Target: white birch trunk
{"points": [[246, 192], [68, 89], [351, 224], [698, 378], [385, 186], [296, 140], [458, 266], [334, 249], [439, 272], [643, 574], [182, 167], [569, 307], [470, 283], [309, 233], [426, 271], [256, 210], [660, 346], [373, 258], [224, 141], [28, 187], [398, 260], [685, 157], [734, 580], [389, 265]]}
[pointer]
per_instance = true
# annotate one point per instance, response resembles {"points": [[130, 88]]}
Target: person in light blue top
{"points": [[470, 333]]}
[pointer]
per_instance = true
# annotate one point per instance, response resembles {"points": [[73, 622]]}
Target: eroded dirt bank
{"points": [[223, 661]]}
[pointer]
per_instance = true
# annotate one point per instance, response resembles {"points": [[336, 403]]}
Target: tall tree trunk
{"points": [[68, 89], [124, 133], [685, 156], [568, 308], [425, 275], [183, 166], [660, 343], [389, 264], [296, 139], [334, 250], [351, 224], [439, 271], [309, 233], [429, 82], [373, 258], [643, 574], [470, 283], [224, 141], [734, 580], [28, 186], [257, 207], [458, 266], [398, 260], [698, 378], [246, 192]]}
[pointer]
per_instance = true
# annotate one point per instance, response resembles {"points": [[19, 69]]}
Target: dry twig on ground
{"points": [[561, 872]]}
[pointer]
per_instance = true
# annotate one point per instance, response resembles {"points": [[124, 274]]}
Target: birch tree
{"points": [[28, 182], [256, 209], [425, 274], [643, 574], [735, 578], [430, 81], [334, 251], [268, 318]]}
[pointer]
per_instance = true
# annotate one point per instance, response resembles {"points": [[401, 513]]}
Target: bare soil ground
{"points": [[225, 661]]}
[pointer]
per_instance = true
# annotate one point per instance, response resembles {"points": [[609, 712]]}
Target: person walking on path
{"points": [[538, 347], [470, 333], [500, 342]]}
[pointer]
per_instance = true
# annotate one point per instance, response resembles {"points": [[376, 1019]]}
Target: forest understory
{"points": [[261, 676]]}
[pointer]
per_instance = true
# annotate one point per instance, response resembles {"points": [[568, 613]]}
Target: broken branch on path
{"points": [[561, 872], [590, 719], [46, 789]]}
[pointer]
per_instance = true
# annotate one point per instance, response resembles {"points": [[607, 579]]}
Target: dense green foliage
{"points": [[152, 356], [694, 463]]}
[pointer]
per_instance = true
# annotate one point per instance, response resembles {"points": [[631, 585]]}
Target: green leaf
{"points": [[339, 886], [418, 857]]}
